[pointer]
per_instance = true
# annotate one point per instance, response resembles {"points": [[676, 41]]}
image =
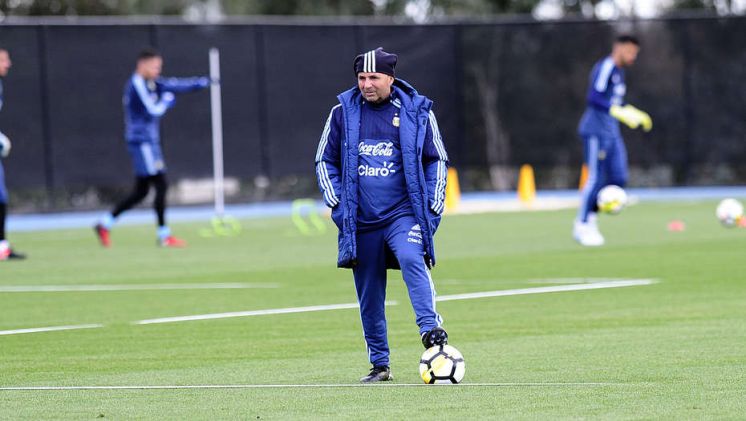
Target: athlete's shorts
{"points": [[147, 158]]}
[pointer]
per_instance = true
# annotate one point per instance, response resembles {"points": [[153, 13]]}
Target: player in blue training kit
{"points": [[147, 97], [605, 154], [381, 167], [6, 252]]}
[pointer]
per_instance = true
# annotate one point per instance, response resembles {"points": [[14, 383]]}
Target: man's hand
{"points": [[4, 146], [204, 82], [632, 117], [169, 99]]}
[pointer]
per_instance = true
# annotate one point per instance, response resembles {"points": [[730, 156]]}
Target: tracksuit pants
{"points": [[404, 239], [606, 158]]}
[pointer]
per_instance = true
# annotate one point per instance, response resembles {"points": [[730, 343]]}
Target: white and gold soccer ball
{"points": [[729, 212], [442, 364], [611, 199]]}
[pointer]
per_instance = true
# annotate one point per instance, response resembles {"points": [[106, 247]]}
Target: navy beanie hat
{"points": [[375, 61]]}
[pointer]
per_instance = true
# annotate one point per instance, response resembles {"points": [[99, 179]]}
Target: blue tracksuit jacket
{"points": [[606, 88], [144, 104], [424, 162]]}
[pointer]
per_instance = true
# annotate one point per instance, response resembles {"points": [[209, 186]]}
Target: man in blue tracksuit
{"points": [[147, 97], [6, 252], [381, 167], [605, 154]]}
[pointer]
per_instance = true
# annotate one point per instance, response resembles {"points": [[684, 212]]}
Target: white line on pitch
{"points": [[48, 329], [544, 290], [571, 280], [253, 313], [301, 386], [130, 287], [468, 296]]}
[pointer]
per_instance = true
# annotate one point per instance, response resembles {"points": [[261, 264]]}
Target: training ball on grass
{"points": [[611, 199], [729, 212], [442, 364]]}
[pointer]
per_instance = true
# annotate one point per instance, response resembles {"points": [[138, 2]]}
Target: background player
{"points": [[605, 153], [6, 252], [387, 203], [147, 96]]}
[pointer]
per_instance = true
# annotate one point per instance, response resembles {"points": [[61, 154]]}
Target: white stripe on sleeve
{"points": [[325, 134], [442, 172], [437, 139], [155, 109], [602, 78]]}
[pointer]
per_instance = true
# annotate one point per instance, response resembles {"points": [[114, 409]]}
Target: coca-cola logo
{"points": [[379, 149]]}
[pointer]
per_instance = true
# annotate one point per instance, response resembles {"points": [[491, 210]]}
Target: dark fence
{"points": [[506, 93]]}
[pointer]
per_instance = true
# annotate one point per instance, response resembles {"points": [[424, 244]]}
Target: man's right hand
{"points": [[4, 146]]}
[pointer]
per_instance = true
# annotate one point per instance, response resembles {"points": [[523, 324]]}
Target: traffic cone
{"points": [[526, 185], [453, 191], [583, 177]]}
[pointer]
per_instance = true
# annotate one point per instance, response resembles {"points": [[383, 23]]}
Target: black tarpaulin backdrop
{"points": [[505, 94]]}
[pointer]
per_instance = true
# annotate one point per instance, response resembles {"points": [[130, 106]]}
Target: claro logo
{"points": [[370, 171]]}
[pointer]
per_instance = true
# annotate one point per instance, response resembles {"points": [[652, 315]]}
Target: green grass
{"points": [[672, 350]]}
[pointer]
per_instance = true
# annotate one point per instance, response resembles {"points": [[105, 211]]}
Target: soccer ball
{"points": [[729, 212], [611, 199], [442, 364]]}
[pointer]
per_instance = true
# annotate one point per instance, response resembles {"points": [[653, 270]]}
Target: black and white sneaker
{"points": [[436, 336], [381, 373]]}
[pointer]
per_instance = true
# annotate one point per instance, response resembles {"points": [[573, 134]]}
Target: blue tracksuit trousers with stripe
{"points": [[606, 157], [402, 236]]}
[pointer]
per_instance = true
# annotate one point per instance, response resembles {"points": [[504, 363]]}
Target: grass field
{"points": [[675, 349]]}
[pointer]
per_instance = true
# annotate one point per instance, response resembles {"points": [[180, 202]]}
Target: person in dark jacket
{"points": [[381, 167]]}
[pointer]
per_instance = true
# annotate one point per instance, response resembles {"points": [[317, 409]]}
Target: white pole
{"points": [[217, 132]]}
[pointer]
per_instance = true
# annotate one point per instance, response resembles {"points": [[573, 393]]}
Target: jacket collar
{"points": [[411, 100]]}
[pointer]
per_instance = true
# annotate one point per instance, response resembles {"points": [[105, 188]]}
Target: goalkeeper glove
{"points": [[632, 117], [4, 145]]}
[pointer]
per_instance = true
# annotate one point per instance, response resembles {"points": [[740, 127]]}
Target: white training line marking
{"points": [[129, 287], [48, 329], [252, 313], [468, 296], [543, 290], [301, 386], [571, 280]]}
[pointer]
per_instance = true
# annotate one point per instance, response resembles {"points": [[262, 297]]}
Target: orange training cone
{"points": [[583, 177]]}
